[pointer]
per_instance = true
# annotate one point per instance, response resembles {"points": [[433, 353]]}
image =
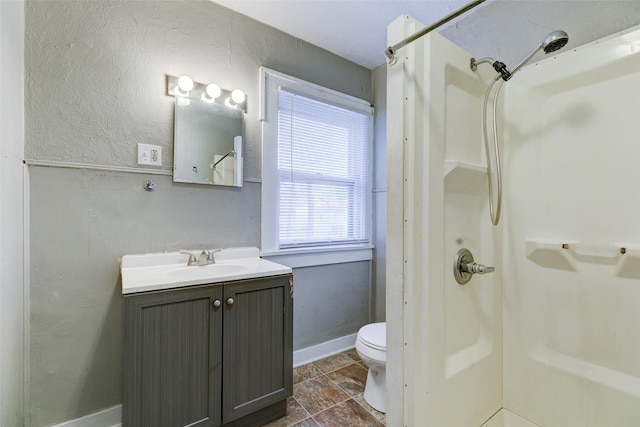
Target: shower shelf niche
{"points": [[461, 177]]}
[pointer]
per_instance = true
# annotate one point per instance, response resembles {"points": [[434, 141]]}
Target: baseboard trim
{"points": [[322, 350], [110, 417]]}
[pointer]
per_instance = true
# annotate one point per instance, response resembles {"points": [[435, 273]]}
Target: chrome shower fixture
{"points": [[499, 66], [552, 42]]}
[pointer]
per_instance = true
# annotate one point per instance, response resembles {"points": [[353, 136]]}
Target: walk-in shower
{"points": [[548, 339], [551, 43]]}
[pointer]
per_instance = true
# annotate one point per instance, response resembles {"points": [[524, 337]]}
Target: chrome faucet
{"points": [[204, 258]]}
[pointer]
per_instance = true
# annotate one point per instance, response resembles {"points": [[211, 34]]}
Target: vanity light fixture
{"points": [[184, 88], [185, 85], [211, 92], [237, 98]]}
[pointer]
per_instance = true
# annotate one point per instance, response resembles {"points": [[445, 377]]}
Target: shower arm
{"points": [[391, 51], [473, 63], [500, 67]]}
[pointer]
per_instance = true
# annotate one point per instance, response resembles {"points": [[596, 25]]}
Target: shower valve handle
{"points": [[475, 268], [464, 267]]}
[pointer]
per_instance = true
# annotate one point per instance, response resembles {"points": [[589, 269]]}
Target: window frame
{"points": [[271, 82]]}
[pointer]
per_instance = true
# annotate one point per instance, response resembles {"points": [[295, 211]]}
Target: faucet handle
{"points": [[192, 257], [211, 258]]}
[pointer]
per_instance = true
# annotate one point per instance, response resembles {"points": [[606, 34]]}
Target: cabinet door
{"points": [[172, 358], [258, 348]]}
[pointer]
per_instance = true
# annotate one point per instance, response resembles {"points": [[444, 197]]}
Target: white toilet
{"points": [[371, 345]]}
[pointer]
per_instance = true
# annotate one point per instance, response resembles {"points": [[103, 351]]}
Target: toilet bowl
{"points": [[371, 346]]}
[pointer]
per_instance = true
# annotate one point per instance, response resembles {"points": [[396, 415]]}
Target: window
{"points": [[316, 167]]}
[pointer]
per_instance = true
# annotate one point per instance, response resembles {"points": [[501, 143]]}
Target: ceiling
{"points": [[352, 29], [503, 29]]}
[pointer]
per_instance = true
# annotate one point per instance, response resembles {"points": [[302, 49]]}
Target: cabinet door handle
{"points": [[230, 301], [216, 303]]}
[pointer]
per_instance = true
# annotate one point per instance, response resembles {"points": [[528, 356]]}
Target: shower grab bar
{"points": [[391, 51]]}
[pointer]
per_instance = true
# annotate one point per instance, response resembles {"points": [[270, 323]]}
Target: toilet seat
{"points": [[374, 335]]}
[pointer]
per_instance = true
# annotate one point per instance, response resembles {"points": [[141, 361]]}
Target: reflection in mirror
{"points": [[207, 143]]}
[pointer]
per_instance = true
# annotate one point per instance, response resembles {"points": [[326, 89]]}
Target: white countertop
{"points": [[158, 271]]}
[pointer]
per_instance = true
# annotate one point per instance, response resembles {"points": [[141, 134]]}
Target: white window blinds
{"points": [[323, 173]]}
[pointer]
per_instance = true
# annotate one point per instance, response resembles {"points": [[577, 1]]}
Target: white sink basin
{"points": [[151, 272], [208, 271]]}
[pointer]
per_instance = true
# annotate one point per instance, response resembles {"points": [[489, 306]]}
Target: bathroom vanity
{"points": [[213, 348]]}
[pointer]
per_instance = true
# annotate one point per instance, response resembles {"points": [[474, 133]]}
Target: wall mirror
{"points": [[207, 144], [208, 141]]}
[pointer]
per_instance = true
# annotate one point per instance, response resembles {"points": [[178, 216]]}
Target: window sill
{"points": [[310, 257]]}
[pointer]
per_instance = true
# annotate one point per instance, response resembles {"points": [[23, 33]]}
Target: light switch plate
{"points": [[149, 155]]}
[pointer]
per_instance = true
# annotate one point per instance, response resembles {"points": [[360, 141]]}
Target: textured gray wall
{"points": [[330, 302], [95, 86], [378, 299]]}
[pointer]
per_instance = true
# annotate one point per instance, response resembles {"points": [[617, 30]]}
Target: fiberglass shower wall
{"points": [[444, 340], [552, 335], [572, 237]]}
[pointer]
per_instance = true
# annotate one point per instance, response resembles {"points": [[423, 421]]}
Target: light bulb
{"points": [[185, 83], [213, 91], [238, 96]]}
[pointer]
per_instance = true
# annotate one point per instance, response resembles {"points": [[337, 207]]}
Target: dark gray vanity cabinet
{"points": [[209, 355]]}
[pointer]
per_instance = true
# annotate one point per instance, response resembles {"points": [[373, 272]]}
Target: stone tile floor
{"points": [[329, 393]]}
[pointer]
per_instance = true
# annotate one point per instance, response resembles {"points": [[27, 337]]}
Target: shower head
{"points": [[553, 41]]}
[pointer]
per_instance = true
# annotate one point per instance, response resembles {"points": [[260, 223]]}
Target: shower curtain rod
{"points": [[390, 52]]}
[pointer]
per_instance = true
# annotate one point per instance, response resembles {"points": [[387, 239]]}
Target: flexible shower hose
{"points": [[495, 214]]}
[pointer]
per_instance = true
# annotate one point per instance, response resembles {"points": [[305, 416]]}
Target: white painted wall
{"points": [[12, 350]]}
